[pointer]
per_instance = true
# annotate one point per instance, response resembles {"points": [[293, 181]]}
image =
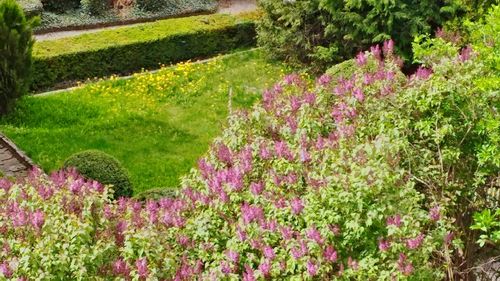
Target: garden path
{"points": [[13, 162], [226, 7]]}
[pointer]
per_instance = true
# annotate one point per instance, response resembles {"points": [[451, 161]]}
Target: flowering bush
{"points": [[357, 178]]}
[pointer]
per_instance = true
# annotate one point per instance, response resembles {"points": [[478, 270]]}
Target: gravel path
{"points": [[227, 7], [13, 162]]}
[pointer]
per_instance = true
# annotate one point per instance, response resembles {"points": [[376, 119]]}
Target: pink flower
{"points": [[265, 268], [225, 267], [394, 220], [120, 268], [242, 235], [297, 253], [282, 150], [269, 252], [233, 256], [264, 152], [422, 73], [383, 245], [312, 268], [358, 94], [249, 274], [310, 98], [313, 234], [415, 242], [224, 154], [76, 186], [6, 270], [251, 213], [361, 59], [305, 157], [286, 232], [388, 47], [352, 263], [142, 268], [375, 50], [368, 79], [291, 79], [38, 219], [448, 238], [404, 267], [296, 205], [434, 213], [330, 254], [257, 187], [324, 80], [465, 53]]}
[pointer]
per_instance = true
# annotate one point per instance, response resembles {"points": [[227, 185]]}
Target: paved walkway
{"points": [[227, 7], [13, 162]]}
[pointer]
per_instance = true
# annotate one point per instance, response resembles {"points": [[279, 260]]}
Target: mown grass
{"points": [[157, 125]]}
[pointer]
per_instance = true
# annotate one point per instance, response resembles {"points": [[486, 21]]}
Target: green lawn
{"points": [[157, 125]]}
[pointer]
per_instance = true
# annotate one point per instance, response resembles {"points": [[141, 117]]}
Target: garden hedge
{"points": [[124, 50]]}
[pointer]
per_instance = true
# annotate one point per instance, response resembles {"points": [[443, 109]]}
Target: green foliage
{"points": [[60, 5], [128, 49], [488, 223], [99, 166], [16, 45], [325, 31], [156, 124]]}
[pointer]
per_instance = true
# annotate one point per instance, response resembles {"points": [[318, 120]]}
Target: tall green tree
{"points": [[16, 44]]}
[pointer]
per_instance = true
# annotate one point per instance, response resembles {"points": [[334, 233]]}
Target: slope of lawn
{"points": [[156, 124]]}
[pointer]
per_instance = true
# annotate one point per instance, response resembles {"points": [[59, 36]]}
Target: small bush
{"points": [[96, 7], [104, 168], [16, 44]]}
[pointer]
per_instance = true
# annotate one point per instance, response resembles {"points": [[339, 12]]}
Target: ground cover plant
{"points": [[367, 177], [157, 125]]}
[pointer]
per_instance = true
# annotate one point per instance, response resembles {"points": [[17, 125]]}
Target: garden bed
{"points": [[157, 125]]}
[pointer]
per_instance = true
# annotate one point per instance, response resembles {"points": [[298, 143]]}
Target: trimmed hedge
{"points": [[102, 167], [124, 50]]}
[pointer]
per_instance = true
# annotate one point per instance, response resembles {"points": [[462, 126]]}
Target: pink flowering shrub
{"points": [[355, 178]]}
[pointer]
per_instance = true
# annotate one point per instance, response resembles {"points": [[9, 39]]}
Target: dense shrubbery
{"points": [[16, 45], [101, 167], [60, 5], [325, 31], [364, 177], [130, 49]]}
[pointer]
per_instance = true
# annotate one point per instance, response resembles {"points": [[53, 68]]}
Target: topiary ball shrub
{"points": [[102, 167]]}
